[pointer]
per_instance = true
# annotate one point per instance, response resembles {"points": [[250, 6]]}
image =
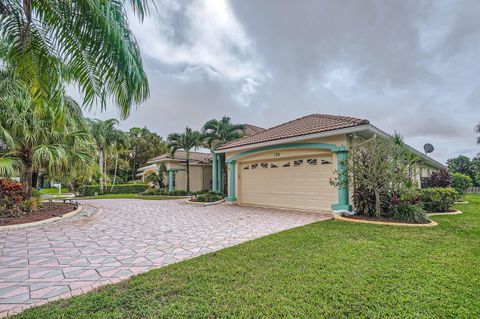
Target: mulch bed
{"points": [[47, 210], [381, 219]]}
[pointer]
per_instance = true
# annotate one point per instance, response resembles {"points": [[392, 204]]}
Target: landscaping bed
{"points": [[384, 219], [45, 211]]}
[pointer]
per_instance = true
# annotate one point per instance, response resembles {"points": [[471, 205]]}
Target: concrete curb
{"points": [[457, 212], [204, 204], [42, 222], [341, 218]]}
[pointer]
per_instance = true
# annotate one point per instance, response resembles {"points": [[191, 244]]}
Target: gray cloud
{"points": [[410, 66]]}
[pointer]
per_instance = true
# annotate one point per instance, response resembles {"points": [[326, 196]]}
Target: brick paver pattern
{"points": [[126, 237]]}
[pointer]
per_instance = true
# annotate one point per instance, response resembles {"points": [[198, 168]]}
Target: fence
{"points": [[473, 190]]}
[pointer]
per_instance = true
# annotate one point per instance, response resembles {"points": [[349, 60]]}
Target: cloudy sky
{"points": [[410, 66]]}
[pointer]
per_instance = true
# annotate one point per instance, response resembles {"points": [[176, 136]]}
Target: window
{"points": [[297, 162], [264, 165], [312, 161], [254, 166], [246, 167], [273, 165], [287, 164], [324, 162]]}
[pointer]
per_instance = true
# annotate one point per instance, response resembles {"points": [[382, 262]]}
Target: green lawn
{"points": [[328, 269], [149, 197], [53, 191]]}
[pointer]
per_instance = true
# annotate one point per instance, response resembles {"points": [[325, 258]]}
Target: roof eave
{"points": [[348, 130]]}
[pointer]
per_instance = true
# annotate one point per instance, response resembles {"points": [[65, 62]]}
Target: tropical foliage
{"points": [[186, 141], [35, 139], [438, 199], [50, 44], [157, 178], [461, 182], [14, 202], [144, 145], [218, 132]]}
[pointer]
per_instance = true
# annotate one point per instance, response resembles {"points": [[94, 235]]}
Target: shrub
{"points": [[179, 192], [14, 202], [442, 178], [461, 182], [117, 189], [438, 199], [209, 197], [410, 213]]}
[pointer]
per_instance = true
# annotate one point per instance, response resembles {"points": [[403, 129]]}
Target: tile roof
{"points": [[181, 155], [250, 129], [310, 124]]}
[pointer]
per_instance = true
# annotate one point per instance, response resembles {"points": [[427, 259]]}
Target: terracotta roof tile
{"points": [[252, 129], [310, 124]]}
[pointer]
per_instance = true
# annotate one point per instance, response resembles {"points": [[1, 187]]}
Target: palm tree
{"points": [[186, 141], [107, 138], [157, 177], [217, 133], [477, 131], [51, 43], [34, 139]]}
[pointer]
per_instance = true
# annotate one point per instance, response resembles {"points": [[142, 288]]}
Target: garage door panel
{"points": [[302, 186]]}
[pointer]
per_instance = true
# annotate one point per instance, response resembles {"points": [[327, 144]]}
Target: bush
{"points": [[441, 178], [117, 189], [438, 199], [179, 192], [13, 201], [209, 197], [461, 182], [410, 213]]}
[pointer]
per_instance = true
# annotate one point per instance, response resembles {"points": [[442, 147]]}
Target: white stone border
{"points": [[204, 204], [341, 218], [457, 212], [462, 202], [42, 222]]}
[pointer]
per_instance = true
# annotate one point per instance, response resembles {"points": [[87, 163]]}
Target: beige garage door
{"points": [[299, 183]]}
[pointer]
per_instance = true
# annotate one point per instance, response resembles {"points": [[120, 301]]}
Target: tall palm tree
{"points": [[107, 137], [477, 130], [186, 141], [51, 43], [36, 139], [219, 132]]}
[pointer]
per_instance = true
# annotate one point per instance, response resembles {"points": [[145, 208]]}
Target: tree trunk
{"points": [[100, 164], [27, 179], [378, 204], [188, 171], [115, 173]]}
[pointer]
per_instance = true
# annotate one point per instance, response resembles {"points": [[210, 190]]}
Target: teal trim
{"points": [[214, 172], [232, 195], [170, 180], [330, 147], [220, 166], [343, 197]]}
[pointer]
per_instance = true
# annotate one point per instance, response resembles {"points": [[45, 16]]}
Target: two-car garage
{"points": [[297, 182]]}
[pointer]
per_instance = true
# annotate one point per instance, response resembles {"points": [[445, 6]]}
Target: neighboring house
{"points": [[290, 165], [176, 178]]}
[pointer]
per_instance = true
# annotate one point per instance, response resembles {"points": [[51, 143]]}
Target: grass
{"points": [[328, 269], [136, 196], [53, 191]]}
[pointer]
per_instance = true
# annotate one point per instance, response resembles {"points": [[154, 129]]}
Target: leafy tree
{"points": [[186, 141], [49, 44], [439, 179], [144, 145], [461, 164], [35, 139], [461, 182]]}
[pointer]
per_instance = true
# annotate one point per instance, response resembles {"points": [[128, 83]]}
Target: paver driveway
{"points": [[126, 237]]}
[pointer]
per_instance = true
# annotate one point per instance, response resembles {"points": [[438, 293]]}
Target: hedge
{"points": [[438, 199], [90, 190]]}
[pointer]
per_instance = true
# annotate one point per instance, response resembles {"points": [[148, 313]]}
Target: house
{"points": [[290, 165], [200, 170]]}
